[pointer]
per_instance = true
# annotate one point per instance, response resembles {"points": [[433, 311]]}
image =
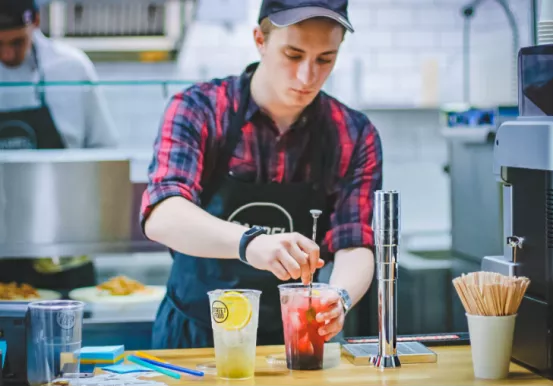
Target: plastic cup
{"points": [[491, 340], [55, 336], [235, 328], [303, 344]]}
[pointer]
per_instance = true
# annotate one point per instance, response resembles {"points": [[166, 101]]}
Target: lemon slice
{"points": [[239, 310]]}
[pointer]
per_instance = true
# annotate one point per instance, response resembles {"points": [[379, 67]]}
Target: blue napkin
{"points": [[4, 349], [126, 368]]}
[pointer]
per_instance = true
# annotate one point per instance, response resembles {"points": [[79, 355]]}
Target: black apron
{"points": [[183, 319], [34, 128]]}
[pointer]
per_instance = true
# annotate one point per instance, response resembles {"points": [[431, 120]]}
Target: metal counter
{"points": [[72, 202]]}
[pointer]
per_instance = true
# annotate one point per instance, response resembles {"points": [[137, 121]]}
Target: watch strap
{"points": [[248, 236]]}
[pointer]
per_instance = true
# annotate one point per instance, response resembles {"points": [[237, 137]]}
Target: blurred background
{"points": [[436, 77]]}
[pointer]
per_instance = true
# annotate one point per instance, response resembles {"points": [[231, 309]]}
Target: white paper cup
{"points": [[491, 340]]}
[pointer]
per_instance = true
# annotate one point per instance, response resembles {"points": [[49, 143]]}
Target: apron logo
{"points": [[220, 312], [264, 210], [16, 134], [65, 319]]}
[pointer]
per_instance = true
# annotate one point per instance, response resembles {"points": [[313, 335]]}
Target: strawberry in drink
{"points": [[303, 343]]}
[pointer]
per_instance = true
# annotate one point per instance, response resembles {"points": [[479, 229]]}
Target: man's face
{"points": [[14, 45], [299, 58]]}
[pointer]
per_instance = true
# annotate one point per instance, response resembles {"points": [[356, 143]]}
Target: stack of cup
{"points": [[491, 301], [544, 28]]}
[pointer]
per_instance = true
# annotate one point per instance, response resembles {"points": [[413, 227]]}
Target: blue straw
{"points": [[143, 363], [172, 367]]}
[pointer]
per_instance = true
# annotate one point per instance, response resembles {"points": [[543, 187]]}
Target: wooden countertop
{"points": [[453, 367]]}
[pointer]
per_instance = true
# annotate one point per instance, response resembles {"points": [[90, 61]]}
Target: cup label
{"points": [[220, 312], [65, 319]]}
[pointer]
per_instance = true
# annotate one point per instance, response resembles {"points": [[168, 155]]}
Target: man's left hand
{"points": [[332, 316]]}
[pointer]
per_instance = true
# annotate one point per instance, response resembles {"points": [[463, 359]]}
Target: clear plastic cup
{"points": [[303, 343], [54, 338], [235, 326]]}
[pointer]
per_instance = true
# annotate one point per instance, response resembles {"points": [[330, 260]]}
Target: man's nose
{"points": [[7, 54], [306, 72]]}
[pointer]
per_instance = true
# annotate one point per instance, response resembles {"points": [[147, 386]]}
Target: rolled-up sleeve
{"points": [[179, 149], [353, 210]]}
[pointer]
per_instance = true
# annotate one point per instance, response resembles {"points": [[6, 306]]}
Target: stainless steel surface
{"points": [[408, 353], [523, 143], [500, 265], [387, 233], [64, 203]]}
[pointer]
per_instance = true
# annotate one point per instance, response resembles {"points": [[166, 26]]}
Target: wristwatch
{"points": [[345, 299], [248, 237]]}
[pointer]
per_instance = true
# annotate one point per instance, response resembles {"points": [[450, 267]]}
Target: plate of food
{"points": [[119, 290], [13, 292]]}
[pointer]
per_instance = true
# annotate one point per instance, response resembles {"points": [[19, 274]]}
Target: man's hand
{"points": [[332, 315], [289, 255]]}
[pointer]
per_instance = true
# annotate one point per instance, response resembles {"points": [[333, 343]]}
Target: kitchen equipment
{"points": [[387, 234], [13, 339], [523, 164]]}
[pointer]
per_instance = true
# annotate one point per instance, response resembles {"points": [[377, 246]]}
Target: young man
{"points": [[47, 117], [240, 162]]}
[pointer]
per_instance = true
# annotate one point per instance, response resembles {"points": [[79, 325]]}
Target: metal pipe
{"points": [[387, 233], [467, 11]]}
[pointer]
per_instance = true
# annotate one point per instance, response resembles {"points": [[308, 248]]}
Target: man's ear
{"points": [[259, 39]]}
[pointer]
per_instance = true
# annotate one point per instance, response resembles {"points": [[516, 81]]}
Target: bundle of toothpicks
{"points": [[490, 294]]}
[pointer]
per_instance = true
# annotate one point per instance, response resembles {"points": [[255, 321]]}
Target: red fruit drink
{"points": [[303, 343]]}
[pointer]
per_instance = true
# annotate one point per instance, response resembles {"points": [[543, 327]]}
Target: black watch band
{"points": [[248, 237]]}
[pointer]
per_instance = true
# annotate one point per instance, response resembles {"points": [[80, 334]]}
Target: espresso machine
{"points": [[523, 164]]}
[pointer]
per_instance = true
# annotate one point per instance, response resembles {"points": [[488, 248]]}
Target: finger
{"points": [[333, 327], [333, 313], [312, 249], [330, 298], [279, 271], [302, 259], [289, 263]]}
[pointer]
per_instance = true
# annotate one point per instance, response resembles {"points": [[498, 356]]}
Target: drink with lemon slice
{"points": [[235, 325]]}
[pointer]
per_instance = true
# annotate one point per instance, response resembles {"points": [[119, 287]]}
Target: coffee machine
{"points": [[523, 164]]}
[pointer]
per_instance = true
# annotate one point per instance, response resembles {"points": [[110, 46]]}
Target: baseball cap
{"points": [[17, 13], [283, 13]]}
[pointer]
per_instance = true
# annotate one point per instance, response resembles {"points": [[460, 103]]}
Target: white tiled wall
{"points": [[404, 52]]}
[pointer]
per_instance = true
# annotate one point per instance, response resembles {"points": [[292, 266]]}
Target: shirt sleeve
{"points": [[353, 209], [179, 149], [100, 130]]}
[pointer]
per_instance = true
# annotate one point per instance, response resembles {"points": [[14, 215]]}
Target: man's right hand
{"points": [[289, 255]]}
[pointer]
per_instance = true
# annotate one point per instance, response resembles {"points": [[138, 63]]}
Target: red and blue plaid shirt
{"points": [[194, 126]]}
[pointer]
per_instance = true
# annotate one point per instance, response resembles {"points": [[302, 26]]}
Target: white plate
{"points": [[44, 295], [92, 295]]}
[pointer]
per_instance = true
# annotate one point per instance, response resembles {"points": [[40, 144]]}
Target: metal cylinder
{"points": [[386, 227]]}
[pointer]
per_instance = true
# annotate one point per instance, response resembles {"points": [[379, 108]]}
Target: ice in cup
{"points": [[235, 326], [303, 343]]}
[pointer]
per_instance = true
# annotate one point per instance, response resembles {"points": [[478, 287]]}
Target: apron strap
{"points": [[232, 139], [39, 88]]}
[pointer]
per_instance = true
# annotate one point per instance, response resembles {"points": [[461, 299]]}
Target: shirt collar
{"points": [[309, 113]]}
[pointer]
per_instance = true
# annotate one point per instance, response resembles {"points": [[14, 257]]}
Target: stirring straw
{"points": [[315, 215]]}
